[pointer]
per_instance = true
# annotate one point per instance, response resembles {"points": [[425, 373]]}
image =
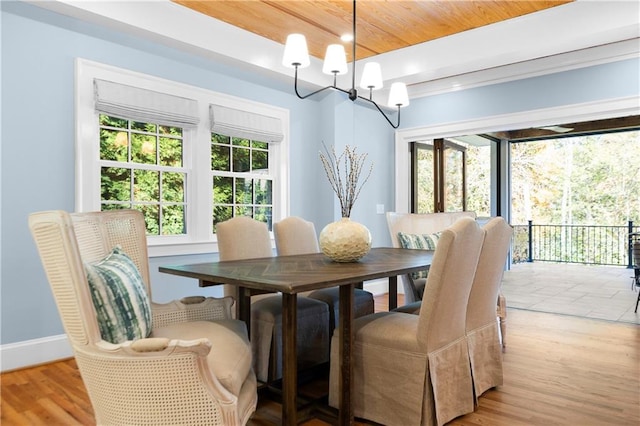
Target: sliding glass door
{"points": [[423, 198], [438, 178]]}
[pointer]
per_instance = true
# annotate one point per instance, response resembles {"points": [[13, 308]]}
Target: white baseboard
{"points": [[380, 286], [34, 352], [14, 356]]}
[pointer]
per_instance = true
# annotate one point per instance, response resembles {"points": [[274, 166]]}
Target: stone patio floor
{"points": [[592, 291]]}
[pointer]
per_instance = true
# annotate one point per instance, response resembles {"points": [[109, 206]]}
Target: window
{"points": [[242, 184], [188, 158], [142, 168]]}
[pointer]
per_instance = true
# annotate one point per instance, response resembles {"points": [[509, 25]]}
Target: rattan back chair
{"points": [[193, 367]]}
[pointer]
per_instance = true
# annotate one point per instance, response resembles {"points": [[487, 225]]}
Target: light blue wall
{"points": [[607, 81], [361, 127], [37, 161], [38, 53]]}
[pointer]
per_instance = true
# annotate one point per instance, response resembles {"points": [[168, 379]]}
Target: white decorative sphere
{"points": [[345, 240]]}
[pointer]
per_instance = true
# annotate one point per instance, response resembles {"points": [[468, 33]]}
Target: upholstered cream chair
{"points": [[414, 369], [193, 366], [426, 224], [295, 235], [242, 237], [481, 328]]}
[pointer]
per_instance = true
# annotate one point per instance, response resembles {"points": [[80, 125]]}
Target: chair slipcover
{"points": [[430, 223], [195, 366], [242, 237], [414, 223], [482, 330], [414, 369], [295, 235]]}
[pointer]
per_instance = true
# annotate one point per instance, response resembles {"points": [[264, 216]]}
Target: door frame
{"points": [[609, 108], [439, 169]]}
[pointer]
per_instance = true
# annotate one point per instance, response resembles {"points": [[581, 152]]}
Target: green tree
{"points": [[586, 180]]}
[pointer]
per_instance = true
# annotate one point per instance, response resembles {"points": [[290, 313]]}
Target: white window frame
{"points": [[197, 154]]}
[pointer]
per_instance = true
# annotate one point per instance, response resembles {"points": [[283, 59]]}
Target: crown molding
{"points": [[576, 34], [613, 52]]}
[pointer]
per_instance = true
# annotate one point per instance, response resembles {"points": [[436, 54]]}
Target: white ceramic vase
{"points": [[345, 240]]}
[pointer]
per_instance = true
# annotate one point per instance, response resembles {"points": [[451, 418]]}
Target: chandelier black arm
{"points": [[295, 86], [395, 126], [353, 93]]}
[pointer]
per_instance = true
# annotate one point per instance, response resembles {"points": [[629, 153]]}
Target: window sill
{"points": [[182, 248]]}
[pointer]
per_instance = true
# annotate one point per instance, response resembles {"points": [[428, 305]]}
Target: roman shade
{"points": [[244, 124], [144, 105]]}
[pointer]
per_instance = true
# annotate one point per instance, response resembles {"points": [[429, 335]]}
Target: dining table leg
{"points": [[243, 308], [346, 353], [393, 292], [290, 360]]}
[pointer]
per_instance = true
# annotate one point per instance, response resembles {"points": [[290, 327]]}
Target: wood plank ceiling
{"points": [[382, 26], [386, 25]]}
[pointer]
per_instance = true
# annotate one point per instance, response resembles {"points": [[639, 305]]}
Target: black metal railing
{"points": [[588, 244]]}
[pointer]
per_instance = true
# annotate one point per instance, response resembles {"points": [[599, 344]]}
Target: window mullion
{"points": [[199, 197]]}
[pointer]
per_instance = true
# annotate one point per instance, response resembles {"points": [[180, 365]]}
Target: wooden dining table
{"points": [[291, 275]]}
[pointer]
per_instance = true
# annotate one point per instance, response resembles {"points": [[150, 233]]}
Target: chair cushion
{"points": [[362, 300], [419, 242], [269, 309], [120, 298], [411, 308], [230, 356], [312, 338]]}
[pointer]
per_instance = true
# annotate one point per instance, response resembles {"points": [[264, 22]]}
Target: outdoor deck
{"points": [[601, 292]]}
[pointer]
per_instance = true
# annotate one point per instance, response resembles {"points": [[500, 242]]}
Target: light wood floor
{"points": [[559, 370]]}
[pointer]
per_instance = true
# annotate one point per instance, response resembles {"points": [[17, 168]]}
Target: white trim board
{"points": [[38, 351], [381, 286], [588, 111], [29, 353], [590, 28]]}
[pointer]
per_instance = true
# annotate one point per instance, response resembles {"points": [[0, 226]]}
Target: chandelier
{"points": [[296, 55]]}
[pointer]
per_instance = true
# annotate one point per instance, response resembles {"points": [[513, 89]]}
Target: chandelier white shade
{"points": [[398, 96], [371, 76], [296, 55], [335, 60]]}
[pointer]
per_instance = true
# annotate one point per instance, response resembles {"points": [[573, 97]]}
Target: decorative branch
{"points": [[345, 182]]}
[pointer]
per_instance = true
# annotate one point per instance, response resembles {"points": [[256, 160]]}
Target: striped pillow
{"points": [[120, 298], [419, 242]]}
